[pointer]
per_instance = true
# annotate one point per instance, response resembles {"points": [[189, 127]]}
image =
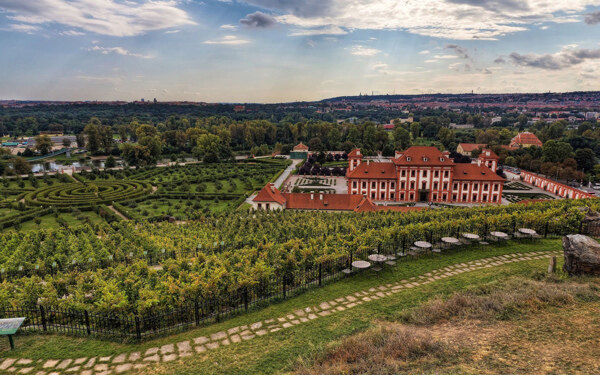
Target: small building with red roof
{"points": [[525, 139], [300, 151]]}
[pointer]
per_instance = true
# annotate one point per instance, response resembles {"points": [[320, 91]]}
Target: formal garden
{"points": [[178, 192]]}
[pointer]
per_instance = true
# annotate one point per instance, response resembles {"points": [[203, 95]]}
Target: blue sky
{"points": [[284, 50]]}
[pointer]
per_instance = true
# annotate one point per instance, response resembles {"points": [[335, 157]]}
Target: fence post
{"points": [[196, 312], [87, 322], [246, 298], [138, 331], [284, 282], [546, 229], [320, 273], [43, 313]]}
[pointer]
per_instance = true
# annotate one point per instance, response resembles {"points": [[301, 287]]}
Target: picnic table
{"points": [[499, 235], [361, 264], [471, 236]]}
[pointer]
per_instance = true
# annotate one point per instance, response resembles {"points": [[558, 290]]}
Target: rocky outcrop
{"points": [[582, 255]]}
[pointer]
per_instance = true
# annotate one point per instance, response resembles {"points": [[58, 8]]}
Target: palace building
{"points": [[425, 174]]}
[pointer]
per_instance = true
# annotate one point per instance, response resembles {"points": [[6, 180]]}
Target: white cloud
{"points": [[172, 31], [106, 17], [425, 52], [228, 40], [359, 50], [117, 50], [72, 33], [228, 27], [23, 28], [451, 19]]}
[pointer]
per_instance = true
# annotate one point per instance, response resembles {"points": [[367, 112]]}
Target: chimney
{"points": [[368, 161], [321, 196], [312, 196]]}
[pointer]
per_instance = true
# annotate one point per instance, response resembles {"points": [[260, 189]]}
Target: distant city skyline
{"points": [[266, 51]]}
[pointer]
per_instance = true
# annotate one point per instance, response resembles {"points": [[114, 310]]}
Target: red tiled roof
{"points": [[269, 194], [389, 126], [526, 138], [334, 202], [474, 172], [300, 147], [355, 153], [417, 156], [374, 170], [366, 205], [491, 155], [470, 147]]}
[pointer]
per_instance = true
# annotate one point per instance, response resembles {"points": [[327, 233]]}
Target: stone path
{"points": [[118, 213], [125, 362]]}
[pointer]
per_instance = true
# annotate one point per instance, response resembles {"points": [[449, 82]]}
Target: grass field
{"points": [[283, 351]]}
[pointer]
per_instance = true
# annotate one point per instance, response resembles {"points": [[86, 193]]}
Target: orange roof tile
{"points": [[423, 156], [300, 147], [526, 138], [374, 170], [474, 172], [355, 153], [488, 154], [470, 147], [269, 193], [334, 202]]}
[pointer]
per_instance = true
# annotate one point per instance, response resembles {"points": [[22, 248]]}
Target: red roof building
{"points": [[425, 174], [300, 147], [525, 139], [270, 198]]}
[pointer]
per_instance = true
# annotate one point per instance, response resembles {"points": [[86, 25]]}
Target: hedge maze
{"points": [[92, 193], [182, 192]]}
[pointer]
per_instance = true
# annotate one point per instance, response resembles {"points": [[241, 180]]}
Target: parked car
{"points": [[596, 186]]}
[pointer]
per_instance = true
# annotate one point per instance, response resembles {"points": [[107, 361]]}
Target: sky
{"points": [[287, 50]]}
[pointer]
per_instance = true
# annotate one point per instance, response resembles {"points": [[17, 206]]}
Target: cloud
{"points": [[72, 33], [258, 20], [425, 52], [359, 50], [328, 30], [500, 60], [460, 51], [22, 28], [447, 19], [116, 50], [556, 61], [231, 40], [172, 31], [592, 18], [105, 17], [228, 27]]}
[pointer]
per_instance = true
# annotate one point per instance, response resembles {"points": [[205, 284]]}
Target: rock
{"points": [[582, 255]]}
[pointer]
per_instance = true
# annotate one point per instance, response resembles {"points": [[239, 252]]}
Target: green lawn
{"points": [[278, 352], [180, 207]]}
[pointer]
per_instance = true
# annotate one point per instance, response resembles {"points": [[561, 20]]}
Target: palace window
{"points": [[364, 185], [403, 173], [354, 184], [412, 173], [496, 187], [485, 197], [435, 197], [383, 185], [445, 174], [424, 185], [424, 174], [454, 197], [401, 196], [436, 174], [412, 185], [392, 196], [382, 196], [403, 185], [392, 185], [465, 187], [435, 186], [476, 186], [455, 186], [485, 187], [445, 186], [373, 185], [464, 197], [474, 197]]}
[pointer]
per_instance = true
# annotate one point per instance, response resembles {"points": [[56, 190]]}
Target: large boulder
{"points": [[582, 255]]}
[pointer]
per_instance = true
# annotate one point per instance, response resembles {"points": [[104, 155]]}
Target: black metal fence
{"points": [[290, 282]]}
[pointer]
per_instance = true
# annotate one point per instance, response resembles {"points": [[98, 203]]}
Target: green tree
{"points": [[21, 166], [586, 159], [207, 148], [401, 138], [43, 144], [556, 151], [415, 130], [110, 162], [92, 134]]}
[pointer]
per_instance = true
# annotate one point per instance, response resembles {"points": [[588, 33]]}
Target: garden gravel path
{"points": [[125, 362]]}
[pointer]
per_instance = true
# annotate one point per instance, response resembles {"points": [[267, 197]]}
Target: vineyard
{"points": [[222, 263], [154, 193]]}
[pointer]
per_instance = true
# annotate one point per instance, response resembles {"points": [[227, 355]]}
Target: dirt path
{"points": [[119, 214]]}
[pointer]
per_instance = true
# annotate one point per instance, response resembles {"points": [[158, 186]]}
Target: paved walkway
{"points": [[136, 360], [280, 180]]}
